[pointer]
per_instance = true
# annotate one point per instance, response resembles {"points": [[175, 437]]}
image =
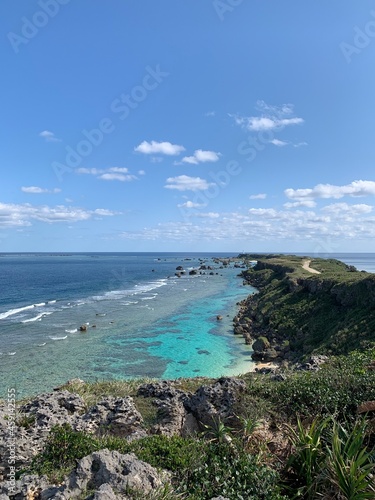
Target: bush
{"points": [[63, 447], [232, 473], [336, 389]]}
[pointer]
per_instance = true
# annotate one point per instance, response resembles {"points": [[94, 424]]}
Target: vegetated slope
{"points": [[332, 312]]}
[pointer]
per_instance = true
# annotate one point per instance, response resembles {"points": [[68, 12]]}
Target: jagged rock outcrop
{"points": [[172, 414], [178, 413], [109, 474], [117, 416], [213, 402]]}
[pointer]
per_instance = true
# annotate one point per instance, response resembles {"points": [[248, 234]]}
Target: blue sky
{"points": [[218, 125]]}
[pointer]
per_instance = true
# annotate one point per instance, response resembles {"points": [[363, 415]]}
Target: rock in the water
{"points": [[83, 328]]}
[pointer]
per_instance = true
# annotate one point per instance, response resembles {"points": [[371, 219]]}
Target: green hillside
{"points": [[332, 312]]}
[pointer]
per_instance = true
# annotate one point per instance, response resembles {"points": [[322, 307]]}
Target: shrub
{"points": [[63, 447], [230, 473]]}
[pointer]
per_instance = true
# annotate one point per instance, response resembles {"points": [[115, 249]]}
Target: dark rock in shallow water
{"points": [[203, 351]]}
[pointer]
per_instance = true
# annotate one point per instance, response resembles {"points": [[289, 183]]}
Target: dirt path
{"points": [[306, 266]]}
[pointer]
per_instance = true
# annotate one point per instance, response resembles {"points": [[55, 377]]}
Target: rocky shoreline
{"points": [[177, 410], [110, 474]]}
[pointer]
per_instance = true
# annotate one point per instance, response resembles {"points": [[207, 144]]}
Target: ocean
{"points": [[141, 319]]}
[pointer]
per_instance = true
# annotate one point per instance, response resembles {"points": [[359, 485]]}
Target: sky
{"points": [[182, 125]]}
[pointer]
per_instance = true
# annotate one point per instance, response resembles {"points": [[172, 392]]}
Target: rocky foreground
{"points": [[105, 474]]}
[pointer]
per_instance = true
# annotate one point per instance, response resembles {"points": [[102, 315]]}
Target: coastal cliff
{"points": [[273, 434], [307, 306]]}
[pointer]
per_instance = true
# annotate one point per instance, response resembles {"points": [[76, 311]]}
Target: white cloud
{"points": [[39, 190], [299, 144], [186, 183], [119, 170], [302, 203], [16, 215], [154, 147], [117, 177], [191, 204], [156, 159], [272, 117], [340, 208], [260, 196], [264, 212], [210, 113], [355, 188], [201, 156], [320, 229], [49, 136], [141, 172], [208, 215], [277, 142], [110, 174], [89, 171]]}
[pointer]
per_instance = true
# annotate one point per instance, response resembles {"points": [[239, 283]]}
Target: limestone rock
{"points": [[118, 416], [54, 408], [261, 344], [161, 390], [118, 471], [215, 401]]}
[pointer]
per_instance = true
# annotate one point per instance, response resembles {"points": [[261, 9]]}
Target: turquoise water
{"points": [[142, 321]]}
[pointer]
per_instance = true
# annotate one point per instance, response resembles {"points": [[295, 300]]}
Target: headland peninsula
{"points": [[304, 426]]}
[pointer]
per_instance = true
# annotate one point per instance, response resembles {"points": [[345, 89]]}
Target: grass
{"points": [[300, 436], [333, 312], [93, 392], [329, 454]]}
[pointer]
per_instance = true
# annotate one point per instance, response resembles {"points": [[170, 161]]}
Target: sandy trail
{"points": [[306, 266]]}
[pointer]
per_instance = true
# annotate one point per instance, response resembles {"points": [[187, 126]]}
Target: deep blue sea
{"points": [[142, 320]]}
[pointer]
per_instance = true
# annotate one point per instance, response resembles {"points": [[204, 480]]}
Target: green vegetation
{"points": [[332, 312], [298, 434]]}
